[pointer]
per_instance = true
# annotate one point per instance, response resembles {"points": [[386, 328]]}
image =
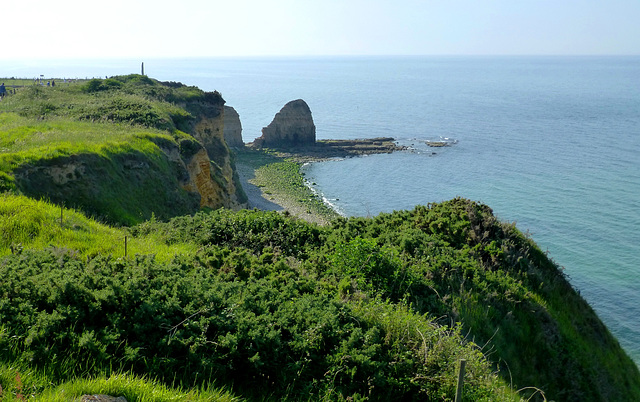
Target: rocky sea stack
{"points": [[291, 127]]}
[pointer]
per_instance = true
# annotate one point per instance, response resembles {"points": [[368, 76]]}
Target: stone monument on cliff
{"points": [[292, 126]]}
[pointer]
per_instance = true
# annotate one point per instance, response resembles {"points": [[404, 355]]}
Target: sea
{"points": [[551, 143]]}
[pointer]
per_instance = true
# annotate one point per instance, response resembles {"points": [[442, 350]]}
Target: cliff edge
{"points": [[232, 128]]}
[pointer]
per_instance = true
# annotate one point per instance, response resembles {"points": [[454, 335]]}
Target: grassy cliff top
{"points": [[132, 99], [107, 147], [25, 140]]}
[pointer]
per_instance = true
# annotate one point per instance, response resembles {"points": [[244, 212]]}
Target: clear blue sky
{"points": [[203, 28]]}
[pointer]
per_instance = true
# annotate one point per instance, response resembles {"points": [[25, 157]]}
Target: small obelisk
{"points": [[143, 68]]}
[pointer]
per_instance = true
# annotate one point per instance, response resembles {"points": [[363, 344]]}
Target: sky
{"points": [[65, 29]]}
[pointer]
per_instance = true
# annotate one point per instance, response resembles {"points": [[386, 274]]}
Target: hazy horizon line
{"points": [[307, 56]]}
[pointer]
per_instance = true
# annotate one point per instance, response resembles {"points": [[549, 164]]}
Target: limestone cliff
{"points": [[292, 126], [195, 174], [223, 188], [217, 184], [200, 174], [232, 128]]}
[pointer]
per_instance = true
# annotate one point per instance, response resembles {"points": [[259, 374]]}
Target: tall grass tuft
{"points": [[37, 224], [25, 384]]}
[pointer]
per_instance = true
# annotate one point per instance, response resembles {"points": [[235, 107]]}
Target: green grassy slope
{"points": [[100, 146], [114, 172], [380, 308], [26, 223]]}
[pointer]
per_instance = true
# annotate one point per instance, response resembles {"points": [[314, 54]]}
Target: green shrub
{"points": [[7, 182], [260, 325], [96, 85], [253, 230]]}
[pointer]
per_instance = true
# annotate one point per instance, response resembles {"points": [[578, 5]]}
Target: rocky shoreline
{"points": [[267, 195], [292, 133], [263, 195], [328, 149]]}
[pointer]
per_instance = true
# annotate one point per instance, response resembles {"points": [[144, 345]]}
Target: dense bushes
{"points": [[96, 85], [226, 315], [253, 230], [455, 261], [368, 308]]}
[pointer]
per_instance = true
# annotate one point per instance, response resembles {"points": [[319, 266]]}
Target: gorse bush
{"points": [[236, 319], [380, 309], [252, 307], [253, 230], [96, 85]]}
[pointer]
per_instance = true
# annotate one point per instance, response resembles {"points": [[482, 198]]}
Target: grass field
{"points": [[96, 129]]}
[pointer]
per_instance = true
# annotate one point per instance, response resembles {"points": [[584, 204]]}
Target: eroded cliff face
{"points": [[223, 189], [193, 171], [200, 181], [129, 187], [232, 128], [124, 188]]}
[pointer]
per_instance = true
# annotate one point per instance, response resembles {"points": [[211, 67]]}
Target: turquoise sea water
{"points": [[552, 143]]}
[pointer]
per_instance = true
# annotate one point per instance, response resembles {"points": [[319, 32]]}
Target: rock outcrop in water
{"points": [[291, 127]]}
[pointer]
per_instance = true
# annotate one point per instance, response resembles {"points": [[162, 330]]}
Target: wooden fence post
{"points": [[463, 363]]}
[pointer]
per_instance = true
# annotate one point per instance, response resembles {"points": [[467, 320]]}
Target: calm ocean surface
{"points": [[552, 143]]}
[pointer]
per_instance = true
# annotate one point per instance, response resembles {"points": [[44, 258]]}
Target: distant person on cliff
{"points": [[3, 90]]}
